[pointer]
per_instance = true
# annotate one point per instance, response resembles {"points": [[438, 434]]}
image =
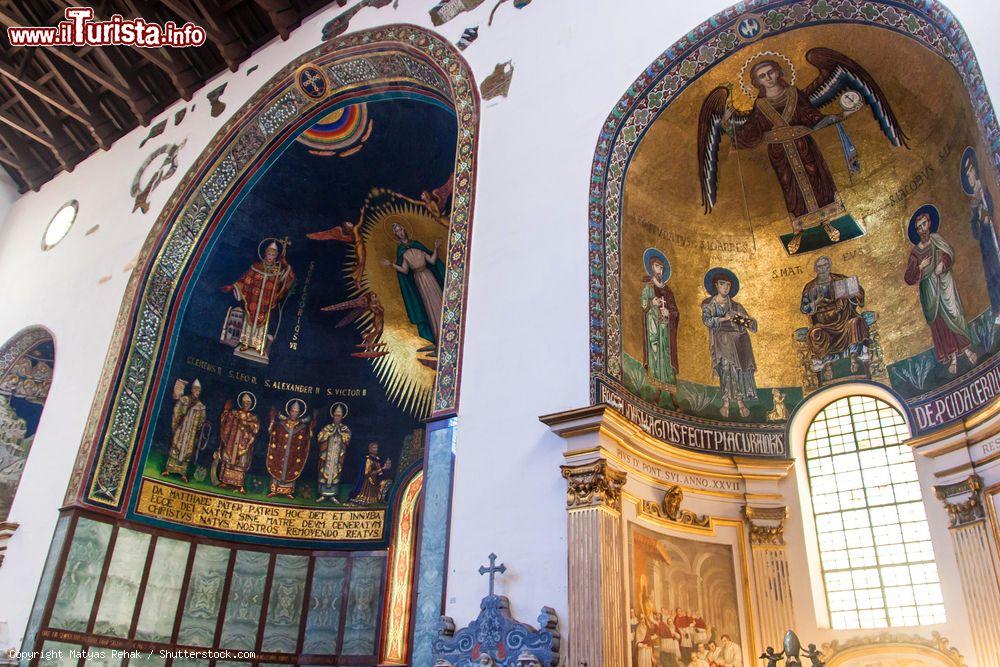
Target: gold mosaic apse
{"points": [[663, 206]]}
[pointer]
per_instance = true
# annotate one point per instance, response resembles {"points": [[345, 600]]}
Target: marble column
{"points": [[596, 580], [432, 562], [770, 566], [977, 563]]}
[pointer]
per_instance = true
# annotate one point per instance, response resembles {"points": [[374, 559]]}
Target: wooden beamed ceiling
{"points": [[60, 104]]}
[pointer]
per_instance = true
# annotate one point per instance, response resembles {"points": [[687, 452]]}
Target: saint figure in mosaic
{"points": [[289, 435], [237, 432], [372, 486], [660, 322], [187, 422], [421, 282], [260, 291], [983, 229], [929, 266], [833, 303], [784, 118], [333, 440], [729, 327]]}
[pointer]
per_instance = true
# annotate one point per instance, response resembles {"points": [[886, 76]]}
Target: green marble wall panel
{"points": [[163, 590], [363, 605], [60, 654], [325, 595], [246, 595], [188, 662], [44, 586], [103, 657], [81, 576], [204, 595], [284, 606], [121, 587]]}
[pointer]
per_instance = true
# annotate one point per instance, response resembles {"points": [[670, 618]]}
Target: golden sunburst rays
{"points": [[406, 372]]}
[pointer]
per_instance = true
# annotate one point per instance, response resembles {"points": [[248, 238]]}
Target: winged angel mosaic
{"points": [[785, 117]]}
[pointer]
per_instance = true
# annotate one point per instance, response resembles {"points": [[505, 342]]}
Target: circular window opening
{"points": [[59, 224]]}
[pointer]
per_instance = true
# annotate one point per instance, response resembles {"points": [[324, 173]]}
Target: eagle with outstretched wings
{"points": [[838, 75]]}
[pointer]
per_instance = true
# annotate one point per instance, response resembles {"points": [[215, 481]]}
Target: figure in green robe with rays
{"points": [[421, 282]]}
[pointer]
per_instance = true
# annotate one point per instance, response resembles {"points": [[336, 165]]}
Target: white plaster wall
{"points": [[526, 350]]}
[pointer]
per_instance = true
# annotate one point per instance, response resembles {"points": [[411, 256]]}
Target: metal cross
{"points": [[493, 569], [310, 81]]}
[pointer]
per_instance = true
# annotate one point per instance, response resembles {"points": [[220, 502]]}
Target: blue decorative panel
{"points": [[246, 594], [163, 590], [363, 605], [121, 587], [204, 595], [284, 606], [325, 595], [81, 576]]}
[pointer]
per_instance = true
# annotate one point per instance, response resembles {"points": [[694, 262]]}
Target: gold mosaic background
{"points": [[662, 204]]}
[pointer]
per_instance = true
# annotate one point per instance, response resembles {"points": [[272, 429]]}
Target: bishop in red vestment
{"points": [[287, 448]]}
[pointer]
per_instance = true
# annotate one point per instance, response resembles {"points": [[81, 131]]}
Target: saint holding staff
{"points": [[260, 291], [237, 432], [188, 420]]}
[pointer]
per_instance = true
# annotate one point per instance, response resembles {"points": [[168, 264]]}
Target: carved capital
{"points": [[6, 532], [670, 509], [593, 484], [963, 500], [767, 525]]}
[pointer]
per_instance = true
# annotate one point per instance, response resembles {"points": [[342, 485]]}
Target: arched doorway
{"points": [[251, 474]]}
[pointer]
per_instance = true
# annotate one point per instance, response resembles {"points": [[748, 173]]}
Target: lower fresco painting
{"points": [[684, 608]]}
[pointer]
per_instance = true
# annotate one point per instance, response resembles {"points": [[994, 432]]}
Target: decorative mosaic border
{"points": [[364, 61], [19, 344], [926, 21]]}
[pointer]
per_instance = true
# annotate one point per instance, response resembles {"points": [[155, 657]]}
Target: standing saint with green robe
{"points": [[421, 283], [660, 319]]}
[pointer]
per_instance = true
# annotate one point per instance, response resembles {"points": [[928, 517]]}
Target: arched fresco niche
{"points": [[26, 364], [295, 316], [777, 207]]}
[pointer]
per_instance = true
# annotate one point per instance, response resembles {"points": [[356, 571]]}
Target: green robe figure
{"points": [[421, 282], [661, 318]]}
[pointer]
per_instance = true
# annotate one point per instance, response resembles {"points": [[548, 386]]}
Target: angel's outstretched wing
{"points": [[838, 73], [337, 233], [709, 137]]}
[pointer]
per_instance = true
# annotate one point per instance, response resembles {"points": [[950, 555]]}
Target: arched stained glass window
{"points": [[874, 542]]}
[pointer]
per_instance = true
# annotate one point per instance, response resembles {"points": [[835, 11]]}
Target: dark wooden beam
{"points": [[284, 16], [210, 16], [143, 104], [32, 172], [183, 76], [62, 145], [101, 125], [50, 96]]}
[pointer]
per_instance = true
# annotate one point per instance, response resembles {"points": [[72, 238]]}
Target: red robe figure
{"points": [[260, 290], [288, 448]]}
